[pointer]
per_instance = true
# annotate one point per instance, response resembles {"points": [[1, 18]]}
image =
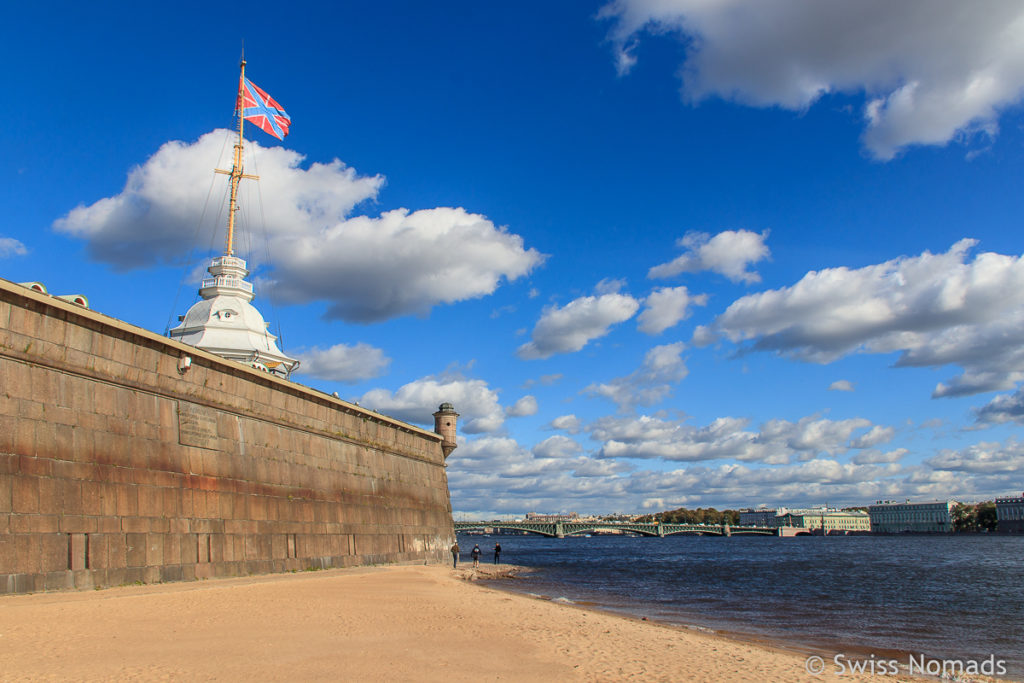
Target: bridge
{"points": [[563, 529]]}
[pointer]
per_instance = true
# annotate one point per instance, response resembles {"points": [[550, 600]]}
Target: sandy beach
{"points": [[410, 623]]}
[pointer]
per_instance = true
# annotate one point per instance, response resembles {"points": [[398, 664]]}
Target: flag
{"points": [[260, 108]]}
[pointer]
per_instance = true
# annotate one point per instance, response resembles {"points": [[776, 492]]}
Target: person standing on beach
{"points": [[455, 555], [475, 552], [497, 552]]}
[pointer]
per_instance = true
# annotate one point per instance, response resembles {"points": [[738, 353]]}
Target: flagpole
{"points": [[236, 168]]}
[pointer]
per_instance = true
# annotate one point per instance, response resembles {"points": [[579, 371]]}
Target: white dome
{"points": [[225, 323]]}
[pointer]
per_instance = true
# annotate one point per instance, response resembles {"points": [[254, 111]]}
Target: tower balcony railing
{"points": [[228, 282], [231, 261]]}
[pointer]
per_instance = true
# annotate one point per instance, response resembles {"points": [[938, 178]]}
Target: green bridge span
{"points": [[563, 529]]}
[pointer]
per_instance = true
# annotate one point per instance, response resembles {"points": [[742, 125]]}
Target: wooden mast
{"points": [[236, 173]]}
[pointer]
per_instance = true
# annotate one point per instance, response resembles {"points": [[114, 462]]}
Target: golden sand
{"points": [[411, 623]]}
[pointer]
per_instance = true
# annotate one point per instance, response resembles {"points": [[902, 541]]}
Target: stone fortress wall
{"points": [[119, 465]]}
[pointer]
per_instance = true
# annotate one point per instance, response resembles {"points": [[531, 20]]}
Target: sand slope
{"points": [[387, 623]]}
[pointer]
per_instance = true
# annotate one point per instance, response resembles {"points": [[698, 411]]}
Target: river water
{"points": [[944, 597]]}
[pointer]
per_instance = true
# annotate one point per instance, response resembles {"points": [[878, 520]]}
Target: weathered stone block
{"points": [[97, 548], [25, 494], [58, 580], [78, 551], [203, 548], [70, 492], [84, 580], [6, 484], [135, 550], [135, 525], [127, 501], [53, 550], [77, 524], [154, 549], [108, 524]]}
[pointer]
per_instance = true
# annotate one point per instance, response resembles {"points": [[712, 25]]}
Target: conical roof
{"points": [[227, 324]]}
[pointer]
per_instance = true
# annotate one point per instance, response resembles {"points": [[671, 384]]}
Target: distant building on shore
{"points": [[557, 517], [760, 516], [890, 517], [831, 521], [1010, 513], [772, 517]]}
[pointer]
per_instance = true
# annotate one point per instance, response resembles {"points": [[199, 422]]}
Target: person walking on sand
{"points": [[497, 552], [455, 555], [475, 552]]}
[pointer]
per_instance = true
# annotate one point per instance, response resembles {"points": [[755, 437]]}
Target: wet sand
{"points": [[411, 623]]}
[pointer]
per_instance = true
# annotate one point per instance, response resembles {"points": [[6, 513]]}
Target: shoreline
{"points": [[406, 622], [804, 649], [502, 577]]}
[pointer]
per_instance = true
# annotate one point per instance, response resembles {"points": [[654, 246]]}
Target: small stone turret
{"points": [[445, 420]]}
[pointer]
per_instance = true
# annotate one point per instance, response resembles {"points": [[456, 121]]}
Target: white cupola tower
{"points": [[225, 322]]}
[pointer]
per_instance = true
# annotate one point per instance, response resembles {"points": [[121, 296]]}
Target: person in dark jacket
{"points": [[497, 552], [475, 553]]}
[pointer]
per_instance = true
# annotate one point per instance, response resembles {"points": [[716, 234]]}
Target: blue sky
{"points": [[656, 253]]}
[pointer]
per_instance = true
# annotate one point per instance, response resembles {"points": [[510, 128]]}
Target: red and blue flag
{"points": [[260, 108]]}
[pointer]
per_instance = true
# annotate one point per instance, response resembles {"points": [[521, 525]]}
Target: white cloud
{"points": [[557, 446], [875, 436], [1003, 408], [930, 71], [525, 406], [665, 307], [344, 363], [610, 286], [982, 458], [841, 385], [573, 326], [935, 309], [365, 268], [417, 401], [777, 442], [498, 475], [663, 366], [567, 423], [11, 247], [874, 456], [729, 253]]}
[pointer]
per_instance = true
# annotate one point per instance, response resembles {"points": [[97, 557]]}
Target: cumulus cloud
{"points": [[11, 247], [501, 476], [667, 306], [929, 71], [875, 436], [1003, 408], [728, 253], [525, 406], [934, 309], [841, 385], [567, 423], [874, 456], [663, 366], [344, 363], [417, 402], [498, 474], [557, 447], [571, 327], [777, 441], [982, 458], [365, 268]]}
